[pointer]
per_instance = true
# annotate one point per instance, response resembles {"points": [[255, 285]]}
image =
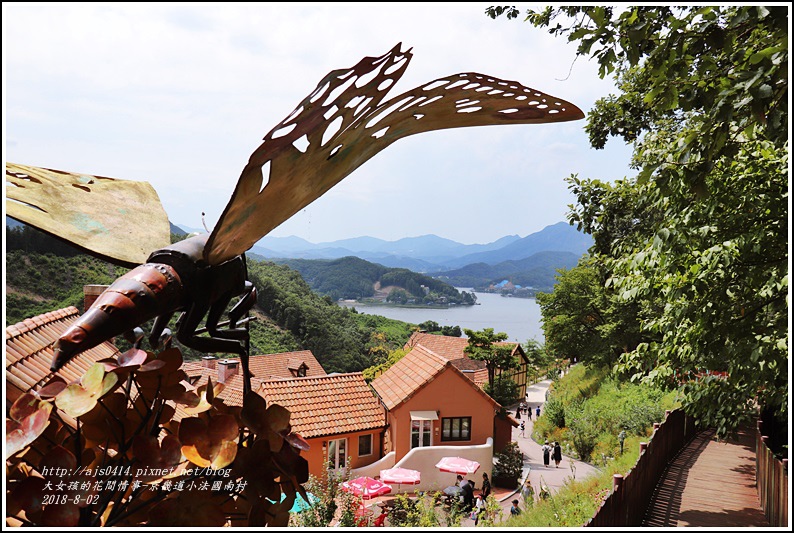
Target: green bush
{"points": [[554, 411], [594, 407], [585, 430], [509, 462]]}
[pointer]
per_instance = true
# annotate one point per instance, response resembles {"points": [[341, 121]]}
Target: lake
{"points": [[520, 318]]}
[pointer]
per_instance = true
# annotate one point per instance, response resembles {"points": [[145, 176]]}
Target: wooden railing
{"points": [[630, 496], [771, 476]]}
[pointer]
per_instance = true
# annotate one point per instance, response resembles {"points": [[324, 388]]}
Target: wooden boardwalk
{"points": [[709, 484]]}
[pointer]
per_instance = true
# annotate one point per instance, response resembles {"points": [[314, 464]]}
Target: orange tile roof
{"points": [[414, 371], [232, 393], [327, 405], [264, 367], [480, 377], [29, 351], [268, 367], [318, 405], [452, 349]]}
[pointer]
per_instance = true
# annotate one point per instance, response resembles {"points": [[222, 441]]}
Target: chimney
{"points": [[208, 361], [91, 293], [226, 369]]}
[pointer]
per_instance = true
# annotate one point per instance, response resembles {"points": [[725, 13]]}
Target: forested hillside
{"points": [[341, 339], [37, 283], [354, 278], [289, 315]]}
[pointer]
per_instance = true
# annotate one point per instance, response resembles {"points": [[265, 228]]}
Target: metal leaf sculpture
{"points": [[119, 220], [344, 122]]}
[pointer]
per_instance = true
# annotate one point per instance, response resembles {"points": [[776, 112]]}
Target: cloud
{"points": [[181, 94]]}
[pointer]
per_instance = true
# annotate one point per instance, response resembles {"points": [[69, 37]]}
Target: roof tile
{"points": [[416, 368], [319, 405], [267, 367], [29, 352], [315, 413], [452, 349]]}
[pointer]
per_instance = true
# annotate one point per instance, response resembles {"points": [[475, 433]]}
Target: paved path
{"points": [[709, 484], [552, 477]]}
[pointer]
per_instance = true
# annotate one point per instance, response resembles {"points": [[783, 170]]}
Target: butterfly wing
{"points": [[120, 221], [343, 123]]}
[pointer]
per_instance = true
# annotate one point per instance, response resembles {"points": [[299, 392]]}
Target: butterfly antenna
{"points": [[203, 223]]}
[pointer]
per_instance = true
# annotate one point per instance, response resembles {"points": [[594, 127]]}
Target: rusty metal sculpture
{"points": [[339, 126]]}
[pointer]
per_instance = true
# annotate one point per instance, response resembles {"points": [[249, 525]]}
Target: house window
{"points": [[365, 445], [458, 428], [299, 371], [337, 454]]}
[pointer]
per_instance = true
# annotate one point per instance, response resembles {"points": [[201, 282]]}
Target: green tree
{"points": [[482, 347], [451, 331], [378, 346], [397, 296], [539, 358], [704, 98], [504, 391], [585, 320]]}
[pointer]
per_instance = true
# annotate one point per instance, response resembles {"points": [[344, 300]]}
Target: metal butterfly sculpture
{"points": [[339, 126]]}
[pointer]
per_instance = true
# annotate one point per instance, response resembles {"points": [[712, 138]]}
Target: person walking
{"points": [[522, 428], [546, 449], [557, 454], [528, 494], [537, 412], [529, 411]]}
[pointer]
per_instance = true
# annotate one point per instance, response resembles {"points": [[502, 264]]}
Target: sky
{"points": [[180, 94]]}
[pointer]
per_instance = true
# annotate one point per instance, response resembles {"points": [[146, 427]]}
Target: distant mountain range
{"points": [[531, 261], [429, 253], [536, 271]]}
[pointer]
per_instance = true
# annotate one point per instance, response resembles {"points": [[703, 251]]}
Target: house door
{"points": [[421, 433], [337, 454]]}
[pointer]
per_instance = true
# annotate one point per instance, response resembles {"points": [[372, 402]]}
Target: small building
{"points": [[453, 349], [338, 415]]}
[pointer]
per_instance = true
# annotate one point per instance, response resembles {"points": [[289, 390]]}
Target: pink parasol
{"points": [[401, 476], [366, 487], [457, 465]]}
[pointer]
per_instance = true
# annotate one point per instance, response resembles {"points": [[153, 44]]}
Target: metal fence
{"points": [[771, 476], [630, 496]]}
